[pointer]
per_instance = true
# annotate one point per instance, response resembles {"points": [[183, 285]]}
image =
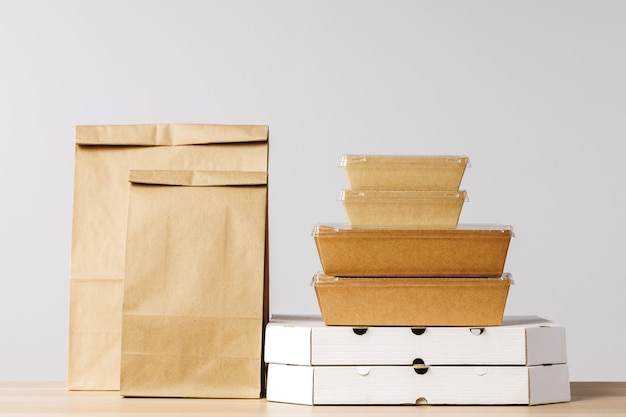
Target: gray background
{"points": [[534, 92]]}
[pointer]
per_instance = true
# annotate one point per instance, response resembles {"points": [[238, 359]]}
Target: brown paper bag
{"points": [[193, 308], [104, 157]]}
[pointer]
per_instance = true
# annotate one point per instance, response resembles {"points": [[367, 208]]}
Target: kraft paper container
{"points": [[379, 172], [464, 251], [371, 208], [350, 301]]}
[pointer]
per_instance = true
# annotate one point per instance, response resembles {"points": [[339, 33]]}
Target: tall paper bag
{"points": [[193, 306], [104, 157]]}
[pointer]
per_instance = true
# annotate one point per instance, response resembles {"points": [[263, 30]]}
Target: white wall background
{"points": [[533, 91]]}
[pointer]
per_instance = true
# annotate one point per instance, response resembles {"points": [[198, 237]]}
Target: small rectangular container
{"points": [[347, 301], [464, 251], [385, 208], [381, 172]]}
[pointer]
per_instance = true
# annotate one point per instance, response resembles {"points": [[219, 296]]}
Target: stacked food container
{"points": [[403, 213], [403, 281]]}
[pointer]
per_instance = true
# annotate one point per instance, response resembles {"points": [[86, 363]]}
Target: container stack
{"points": [[403, 213], [412, 302]]}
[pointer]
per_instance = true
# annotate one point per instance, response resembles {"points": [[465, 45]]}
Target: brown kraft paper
{"points": [[193, 308], [104, 156]]}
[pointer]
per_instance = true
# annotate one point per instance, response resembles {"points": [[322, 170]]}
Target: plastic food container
{"points": [[412, 301], [372, 208], [463, 251], [379, 172]]}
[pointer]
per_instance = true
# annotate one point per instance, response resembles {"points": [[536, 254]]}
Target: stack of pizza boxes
{"points": [[412, 302]]}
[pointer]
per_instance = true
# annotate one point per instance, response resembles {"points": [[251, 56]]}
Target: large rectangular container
{"points": [[385, 208], [393, 172], [454, 385], [520, 340], [412, 301], [523, 361], [463, 251]]}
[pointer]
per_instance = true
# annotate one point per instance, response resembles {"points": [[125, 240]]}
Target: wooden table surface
{"points": [[52, 399]]}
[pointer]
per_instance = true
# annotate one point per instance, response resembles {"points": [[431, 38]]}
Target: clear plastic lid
{"points": [[409, 160], [330, 229], [321, 278], [396, 195]]}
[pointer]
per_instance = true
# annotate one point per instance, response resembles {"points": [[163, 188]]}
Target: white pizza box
{"points": [[520, 340], [391, 385]]}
